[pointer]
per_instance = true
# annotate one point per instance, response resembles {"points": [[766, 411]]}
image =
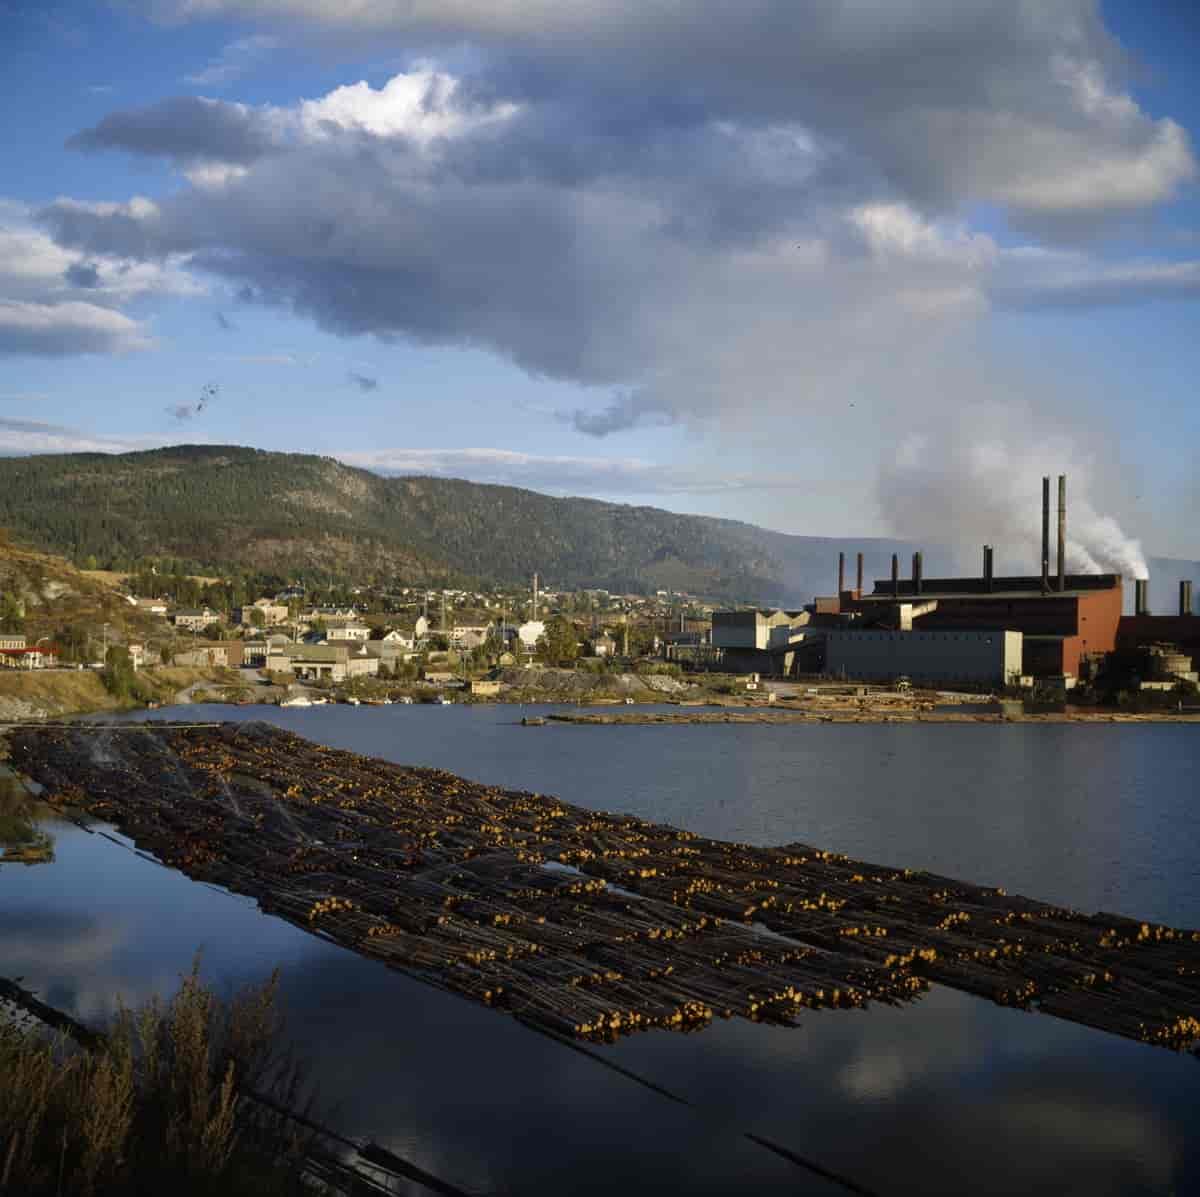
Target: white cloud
{"points": [[56, 302], [60, 329], [421, 104], [18, 437]]}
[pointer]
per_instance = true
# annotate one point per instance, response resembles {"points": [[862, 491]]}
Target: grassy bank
{"points": [[29, 693]]}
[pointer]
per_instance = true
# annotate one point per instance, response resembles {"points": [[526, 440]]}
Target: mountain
{"points": [[218, 508], [215, 508]]}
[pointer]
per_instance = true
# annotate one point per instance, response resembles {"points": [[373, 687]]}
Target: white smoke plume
{"points": [[975, 478]]}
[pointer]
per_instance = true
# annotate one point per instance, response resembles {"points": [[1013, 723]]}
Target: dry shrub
{"points": [[159, 1105]]}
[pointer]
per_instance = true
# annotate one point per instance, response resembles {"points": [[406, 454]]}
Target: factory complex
{"points": [[986, 630]]}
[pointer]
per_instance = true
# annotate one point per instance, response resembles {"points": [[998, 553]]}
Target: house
{"points": [[421, 630], [9, 641], [150, 606], [469, 636], [485, 689], [273, 613], [41, 656], [195, 619], [441, 677], [354, 632], [399, 639], [603, 646], [254, 653], [213, 654], [529, 633]]}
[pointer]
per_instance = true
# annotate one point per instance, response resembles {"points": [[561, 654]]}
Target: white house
{"points": [[354, 632], [530, 632]]}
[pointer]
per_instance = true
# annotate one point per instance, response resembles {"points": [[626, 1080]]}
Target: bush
{"points": [[118, 675], [157, 1106]]}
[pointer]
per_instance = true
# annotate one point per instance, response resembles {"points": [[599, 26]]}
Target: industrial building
{"points": [[986, 629], [991, 658]]}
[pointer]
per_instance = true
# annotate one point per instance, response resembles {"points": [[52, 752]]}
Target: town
{"points": [[1046, 634]]}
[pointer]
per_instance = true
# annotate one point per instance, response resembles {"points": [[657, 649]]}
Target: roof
{"points": [[1021, 587]]}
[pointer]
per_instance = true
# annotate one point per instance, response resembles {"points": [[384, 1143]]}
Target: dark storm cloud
{"points": [[624, 412], [184, 129]]}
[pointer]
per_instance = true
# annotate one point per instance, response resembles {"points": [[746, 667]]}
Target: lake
{"points": [[946, 1096]]}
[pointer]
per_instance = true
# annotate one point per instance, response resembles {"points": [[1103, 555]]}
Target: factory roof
{"points": [[1025, 587]]}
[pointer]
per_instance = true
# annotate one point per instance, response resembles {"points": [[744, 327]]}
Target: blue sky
{"points": [[840, 267]]}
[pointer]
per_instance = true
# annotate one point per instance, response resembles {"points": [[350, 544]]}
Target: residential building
{"points": [[273, 613], [353, 632], [40, 656], [194, 619], [529, 633], [212, 654]]}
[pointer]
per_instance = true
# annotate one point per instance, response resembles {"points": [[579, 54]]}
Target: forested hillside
{"points": [[216, 509], [222, 507]]}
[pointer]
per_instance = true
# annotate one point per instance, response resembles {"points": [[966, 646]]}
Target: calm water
{"points": [[952, 1095]]}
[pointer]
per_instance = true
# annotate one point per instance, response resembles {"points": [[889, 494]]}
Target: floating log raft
{"points": [[844, 713], [589, 923]]}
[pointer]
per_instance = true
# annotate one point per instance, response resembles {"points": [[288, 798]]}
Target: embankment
{"points": [[32, 694]]}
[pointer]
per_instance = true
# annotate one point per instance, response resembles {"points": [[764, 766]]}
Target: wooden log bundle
{"points": [[589, 923]]}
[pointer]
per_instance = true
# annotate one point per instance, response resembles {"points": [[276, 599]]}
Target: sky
{"points": [[836, 267]]}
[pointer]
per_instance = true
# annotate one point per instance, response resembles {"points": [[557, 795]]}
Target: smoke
{"points": [[976, 478]]}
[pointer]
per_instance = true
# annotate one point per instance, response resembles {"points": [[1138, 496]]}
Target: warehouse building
{"points": [[989, 657]]}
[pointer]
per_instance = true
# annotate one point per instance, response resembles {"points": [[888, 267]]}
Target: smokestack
{"points": [[841, 572], [987, 568], [895, 575], [1045, 534], [916, 573], [1185, 597], [860, 563], [1140, 605], [1062, 531]]}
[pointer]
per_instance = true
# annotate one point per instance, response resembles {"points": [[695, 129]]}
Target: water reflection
{"points": [[947, 1096], [22, 840]]}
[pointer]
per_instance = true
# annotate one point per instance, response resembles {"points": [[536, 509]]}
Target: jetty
{"points": [[586, 923]]}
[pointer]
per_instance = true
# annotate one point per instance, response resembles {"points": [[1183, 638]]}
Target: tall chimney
{"points": [[860, 564], [1062, 532], [1185, 597], [841, 573], [987, 568], [1140, 605], [1045, 534], [895, 575], [916, 573]]}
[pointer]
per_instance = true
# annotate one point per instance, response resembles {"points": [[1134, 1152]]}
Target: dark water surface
{"points": [[952, 1095]]}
